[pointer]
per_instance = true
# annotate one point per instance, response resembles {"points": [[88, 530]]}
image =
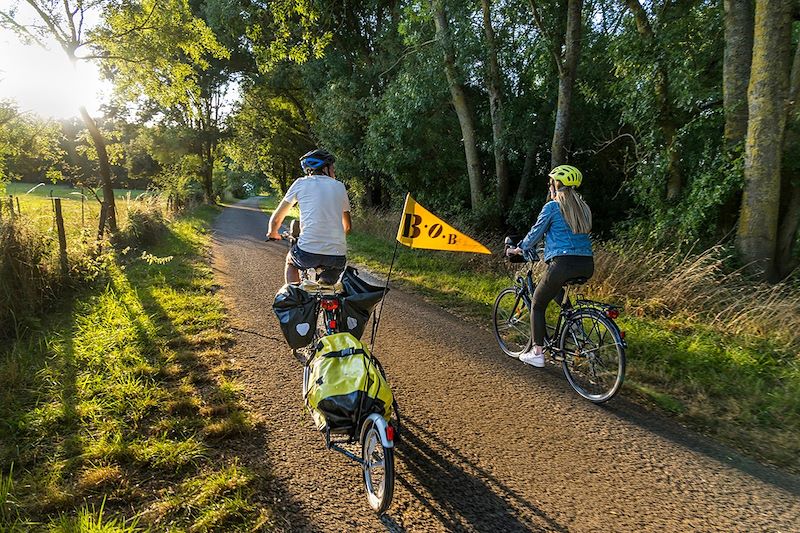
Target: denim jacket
{"points": [[558, 236]]}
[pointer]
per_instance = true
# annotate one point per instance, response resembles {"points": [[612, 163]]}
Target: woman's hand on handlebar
{"points": [[274, 236], [513, 251]]}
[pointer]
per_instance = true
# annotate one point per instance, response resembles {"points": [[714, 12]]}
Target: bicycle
{"points": [[376, 436], [585, 338]]}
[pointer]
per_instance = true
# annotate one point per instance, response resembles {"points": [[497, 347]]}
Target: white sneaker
{"points": [[534, 359]]}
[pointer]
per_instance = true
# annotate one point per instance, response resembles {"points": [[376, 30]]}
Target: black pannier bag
{"points": [[359, 301], [295, 309]]}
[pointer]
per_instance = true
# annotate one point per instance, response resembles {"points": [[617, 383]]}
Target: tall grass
{"points": [[121, 406], [698, 286], [30, 273]]}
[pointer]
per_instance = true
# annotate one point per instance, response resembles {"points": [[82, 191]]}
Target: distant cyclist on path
{"points": [[564, 223], [324, 219]]}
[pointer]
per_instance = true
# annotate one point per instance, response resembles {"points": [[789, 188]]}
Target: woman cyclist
{"points": [[564, 223]]}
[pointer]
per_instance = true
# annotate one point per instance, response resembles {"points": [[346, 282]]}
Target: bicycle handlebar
{"points": [[284, 236]]}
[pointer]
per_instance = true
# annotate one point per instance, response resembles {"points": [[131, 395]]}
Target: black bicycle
{"points": [[585, 338]]}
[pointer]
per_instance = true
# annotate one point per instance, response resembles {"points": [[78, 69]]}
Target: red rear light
{"points": [[330, 305], [612, 313], [622, 334], [389, 432], [332, 324]]}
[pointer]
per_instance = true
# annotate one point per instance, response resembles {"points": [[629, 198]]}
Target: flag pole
{"points": [[377, 318]]}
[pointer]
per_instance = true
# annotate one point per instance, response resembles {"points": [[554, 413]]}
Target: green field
{"points": [[81, 214], [743, 389]]}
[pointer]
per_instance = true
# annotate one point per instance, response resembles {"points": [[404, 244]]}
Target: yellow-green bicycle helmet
{"points": [[567, 175]]}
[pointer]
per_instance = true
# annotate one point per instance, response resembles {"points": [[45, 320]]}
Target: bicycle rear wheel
{"points": [[378, 469], [594, 355], [511, 322]]}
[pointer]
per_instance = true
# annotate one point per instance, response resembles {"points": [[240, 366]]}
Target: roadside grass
{"points": [[119, 412], [31, 276], [734, 380]]}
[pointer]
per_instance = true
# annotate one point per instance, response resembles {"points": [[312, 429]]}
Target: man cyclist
{"points": [[324, 219]]}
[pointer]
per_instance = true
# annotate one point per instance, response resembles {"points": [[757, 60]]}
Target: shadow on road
{"points": [[459, 493]]}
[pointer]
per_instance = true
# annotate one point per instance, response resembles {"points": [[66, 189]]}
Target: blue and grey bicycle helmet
{"points": [[316, 159]]}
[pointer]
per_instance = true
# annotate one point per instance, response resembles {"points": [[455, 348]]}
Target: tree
{"points": [[666, 108], [567, 65], [460, 102], [63, 21], [767, 100], [790, 186], [173, 59], [494, 85]]}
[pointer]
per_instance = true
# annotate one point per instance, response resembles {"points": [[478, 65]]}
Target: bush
{"points": [[145, 223], [28, 273]]}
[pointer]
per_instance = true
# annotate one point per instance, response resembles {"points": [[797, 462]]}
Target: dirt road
{"points": [[489, 444]]}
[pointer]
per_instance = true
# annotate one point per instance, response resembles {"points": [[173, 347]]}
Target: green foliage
{"points": [[28, 145], [162, 52]]}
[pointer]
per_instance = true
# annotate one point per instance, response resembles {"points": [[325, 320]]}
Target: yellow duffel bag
{"points": [[346, 384]]}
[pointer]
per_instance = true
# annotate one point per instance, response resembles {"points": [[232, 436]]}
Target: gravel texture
{"points": [[489, 444]]}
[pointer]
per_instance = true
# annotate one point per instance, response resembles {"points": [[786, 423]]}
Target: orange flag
{"points": [[419, 228]]}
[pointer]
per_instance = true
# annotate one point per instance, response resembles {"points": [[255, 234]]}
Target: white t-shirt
{"points": [[322, 201]]}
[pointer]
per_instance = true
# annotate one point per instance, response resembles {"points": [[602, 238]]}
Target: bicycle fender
{"points": [[379, 421]]}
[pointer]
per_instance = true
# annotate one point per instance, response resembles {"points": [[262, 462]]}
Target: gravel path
{"points": [[489, 444]]}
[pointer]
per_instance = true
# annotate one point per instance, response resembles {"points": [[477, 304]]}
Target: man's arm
{"points": [[347, 222], [276, 219]]}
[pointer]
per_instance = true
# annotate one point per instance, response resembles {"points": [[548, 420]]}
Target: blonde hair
{"points": [[574, 210]]}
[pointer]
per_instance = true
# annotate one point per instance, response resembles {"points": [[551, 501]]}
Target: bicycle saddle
{"points": [[576, 281]]}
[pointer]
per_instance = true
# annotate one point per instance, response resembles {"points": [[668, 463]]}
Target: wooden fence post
{"points": [[62, 238], [102, 225], [19, 209], [11, 211]]}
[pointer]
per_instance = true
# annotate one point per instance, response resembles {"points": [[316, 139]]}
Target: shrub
{"points": [[145, 223], [28, 273]]}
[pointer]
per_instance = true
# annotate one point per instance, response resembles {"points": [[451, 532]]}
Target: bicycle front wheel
{"points": [[511, 322], [378, 469], [594, 355]]}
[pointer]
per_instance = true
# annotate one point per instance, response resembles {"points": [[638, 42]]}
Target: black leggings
{"points": [[559, 270]]}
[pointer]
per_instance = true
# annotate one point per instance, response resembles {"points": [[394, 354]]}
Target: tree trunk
{"points": [[527, 171], [666, 110], [105, 169], [790, 190], [207, 157], [767, 99], [494, 85], [736, 68], [460, 103], [566, 83], [787, 235]]}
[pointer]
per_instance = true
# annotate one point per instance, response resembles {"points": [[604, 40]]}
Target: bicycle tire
{"points": [[511, 322], [379, 495], [594, 355]]}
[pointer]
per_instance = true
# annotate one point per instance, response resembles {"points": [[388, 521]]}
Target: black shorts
{"points": [[332, 265]]}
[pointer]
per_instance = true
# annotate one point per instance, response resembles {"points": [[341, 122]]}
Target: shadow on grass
{"points": [[200, 368]]}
